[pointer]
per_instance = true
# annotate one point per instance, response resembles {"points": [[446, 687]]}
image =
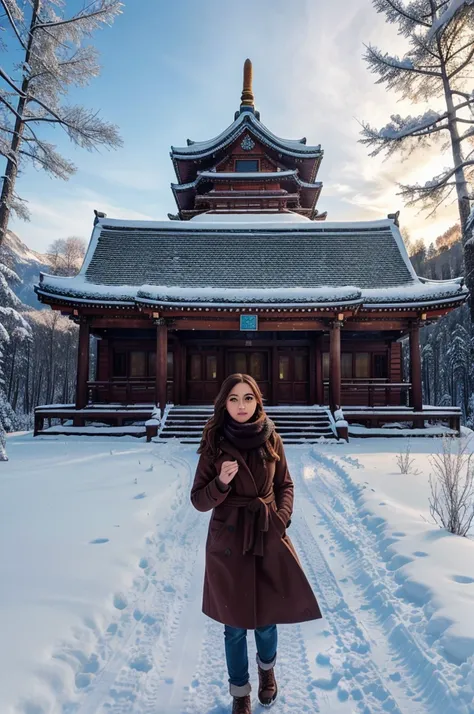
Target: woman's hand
{"points": [[228, 471]]}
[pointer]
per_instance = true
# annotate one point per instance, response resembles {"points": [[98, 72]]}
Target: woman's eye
{"points": [[249, 399]]}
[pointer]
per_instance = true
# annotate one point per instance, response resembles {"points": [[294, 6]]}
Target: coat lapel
{"points": [[233, 451]]}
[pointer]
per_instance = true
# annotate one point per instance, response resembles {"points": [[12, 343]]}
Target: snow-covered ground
{"points": [[101, 567]]}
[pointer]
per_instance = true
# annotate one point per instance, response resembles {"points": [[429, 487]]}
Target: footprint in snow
{"points": [[120, 601], [463, 579], [140, 495], [141, 664], [97, 541]]}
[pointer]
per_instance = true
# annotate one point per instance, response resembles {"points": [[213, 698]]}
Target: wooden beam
{"points": [[376, 325], [121, 323], [233, 323], [82, 365], [267, 325]]}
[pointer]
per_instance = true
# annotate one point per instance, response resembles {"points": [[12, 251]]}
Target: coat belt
{"points": [[256, 519]]}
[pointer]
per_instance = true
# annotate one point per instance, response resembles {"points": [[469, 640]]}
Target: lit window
{"points": [[284, 368]]}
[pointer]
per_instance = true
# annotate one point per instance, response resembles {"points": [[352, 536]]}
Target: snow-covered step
{"points": [[295, 425]]}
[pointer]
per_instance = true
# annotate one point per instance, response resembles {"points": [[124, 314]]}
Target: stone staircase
{"points": [[295, 425]]}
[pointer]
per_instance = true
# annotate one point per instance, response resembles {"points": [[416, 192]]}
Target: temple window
{"points": [[195, 367], [211, 367], [362, 365], [380, 366], [346, 365], [137, 364], [246, 165], [120, 364], [284, 368]]}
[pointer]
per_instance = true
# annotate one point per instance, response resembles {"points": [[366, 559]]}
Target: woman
{"points": [[253, 578]]}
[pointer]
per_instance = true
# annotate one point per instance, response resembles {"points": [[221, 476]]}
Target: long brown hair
{"points": [[213, 427]]}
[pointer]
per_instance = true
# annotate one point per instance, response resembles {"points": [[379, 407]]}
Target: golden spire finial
{"points": [[247, 98]]}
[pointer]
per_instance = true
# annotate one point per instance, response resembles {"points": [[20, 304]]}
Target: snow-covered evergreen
{"points": [[10, 320]]}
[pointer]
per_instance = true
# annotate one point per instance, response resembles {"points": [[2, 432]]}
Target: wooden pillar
{"points": [[335, 365], [312, 373], [318, 357], [275, 371], [161, 362], [183, 375], [82, 364], [415, 367], [177, 357]]}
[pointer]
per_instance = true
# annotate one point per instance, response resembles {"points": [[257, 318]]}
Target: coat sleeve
{"points": [[205, 493], [283, 485]]}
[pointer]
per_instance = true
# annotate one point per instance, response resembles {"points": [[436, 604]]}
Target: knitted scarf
{"points": [[250, 434]]}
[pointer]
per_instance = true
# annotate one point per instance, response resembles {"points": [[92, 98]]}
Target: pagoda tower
{"points": [[247, 169]]}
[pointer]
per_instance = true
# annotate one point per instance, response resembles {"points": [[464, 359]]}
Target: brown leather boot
{"points": [[267, 686], [242, 705], [241, 695]]}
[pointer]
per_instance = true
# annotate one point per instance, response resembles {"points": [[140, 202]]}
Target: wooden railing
{"points": [[122, 390], [369, 389]]}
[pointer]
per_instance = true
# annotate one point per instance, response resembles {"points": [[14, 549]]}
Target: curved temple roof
{"points": [[207, 264], [199, 149], [241, 176]]}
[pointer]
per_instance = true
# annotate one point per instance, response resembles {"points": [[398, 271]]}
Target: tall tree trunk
{"points": [[461, 191], [460, 179], [11, 170], [26, 393], [12, 371]]}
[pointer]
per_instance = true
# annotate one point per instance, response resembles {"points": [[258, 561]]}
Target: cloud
{"points": [[331, 92], [69, 215]]}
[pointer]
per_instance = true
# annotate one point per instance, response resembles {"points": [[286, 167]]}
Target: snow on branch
{"points": [[378, 60], [434, 192], [446, 15], [409, 17], [83, 23], [413, 75], [391, 137], [46, 157]]}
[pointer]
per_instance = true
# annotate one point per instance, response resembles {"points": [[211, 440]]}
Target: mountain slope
{"points": [[27, 264]]}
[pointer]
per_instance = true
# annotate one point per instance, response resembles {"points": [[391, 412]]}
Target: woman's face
{"points": [[241, 402]]}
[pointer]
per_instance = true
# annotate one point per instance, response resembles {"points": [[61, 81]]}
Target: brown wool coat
{"points": [[253, 577]]}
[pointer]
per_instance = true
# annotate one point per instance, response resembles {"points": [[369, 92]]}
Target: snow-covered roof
{"points": [[244, 176], [261, 263], [251, 218], [295, 147]]}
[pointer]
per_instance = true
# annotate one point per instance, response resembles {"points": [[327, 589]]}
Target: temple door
{"points": [[292, 376], [202, 384], [253, 362]]}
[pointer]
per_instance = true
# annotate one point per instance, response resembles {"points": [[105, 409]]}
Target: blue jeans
{"points": [[266, 639]]}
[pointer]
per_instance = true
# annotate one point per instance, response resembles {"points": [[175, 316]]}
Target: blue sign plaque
{"points": [[249, 322]]}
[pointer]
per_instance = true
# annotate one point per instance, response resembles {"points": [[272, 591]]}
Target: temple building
{"points": [[249, 276]]}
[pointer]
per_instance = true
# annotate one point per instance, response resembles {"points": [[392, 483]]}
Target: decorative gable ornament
{"points": [[247, 143]]}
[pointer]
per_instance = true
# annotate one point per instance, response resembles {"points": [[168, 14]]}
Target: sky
{"points": [[173, 70]]}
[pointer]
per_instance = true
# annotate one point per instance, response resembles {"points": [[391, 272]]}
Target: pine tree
{"points": [[10, 318], [436, 68], [54, 58]]}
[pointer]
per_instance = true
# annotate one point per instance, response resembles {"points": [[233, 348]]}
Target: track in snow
{"points": [[416, 674], [163, 656]]}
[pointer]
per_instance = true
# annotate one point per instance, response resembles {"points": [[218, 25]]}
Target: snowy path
{"points": [[372, 653]]}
